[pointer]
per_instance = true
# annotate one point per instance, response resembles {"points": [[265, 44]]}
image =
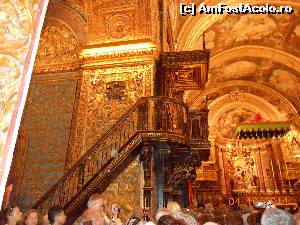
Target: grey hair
{"points": [[274, 216], [162, 212], [94, 200]]}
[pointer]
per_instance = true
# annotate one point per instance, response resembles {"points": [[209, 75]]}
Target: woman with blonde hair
{"points": [[31, 217]]}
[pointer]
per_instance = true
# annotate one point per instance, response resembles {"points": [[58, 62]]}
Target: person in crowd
{"points": [[13, 215], [180, 222], [297, 213], [297, 220], [162, 212], [274, 216], [166, 220], [112, 214], [107, 209], [56, 216], [115, 215], [45, 220], [31, 217], [95, 212], [177, 214], [170, 220], [210, 223], [245, 215], [138, 214]]}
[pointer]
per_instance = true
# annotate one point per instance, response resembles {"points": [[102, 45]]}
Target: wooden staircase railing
{"points": [[152, 118]]}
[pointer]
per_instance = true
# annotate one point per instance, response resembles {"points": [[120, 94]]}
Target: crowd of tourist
{"points": [[101, 212]]}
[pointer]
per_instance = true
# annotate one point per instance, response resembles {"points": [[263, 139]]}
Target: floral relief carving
{"points": [[125, 190], [120, 25], [110, 96], [58, 45]]}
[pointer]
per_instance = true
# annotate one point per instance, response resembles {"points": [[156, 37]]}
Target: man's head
{"points": [[14, 214], [56, 215], [108, 209], [96, 202], [138, 212], [166, 220], [31, 217], [276, 216], [162, 212], [173, 207], [115, 209]]}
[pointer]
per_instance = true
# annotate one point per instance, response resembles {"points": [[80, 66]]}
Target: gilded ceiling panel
{"points": [[121, 20], [264, 71], [260, 48]]}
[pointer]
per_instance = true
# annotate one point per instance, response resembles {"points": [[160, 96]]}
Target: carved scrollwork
{"points": [[120, 25], [185, 171], [16, 27], [58, 49]]}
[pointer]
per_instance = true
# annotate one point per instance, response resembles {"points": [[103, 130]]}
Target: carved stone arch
{"points": [[59, 49], [269, 94], [282, 57], [249, 95], [15, 177], [249, 102], [198, 24], [70, 17]]}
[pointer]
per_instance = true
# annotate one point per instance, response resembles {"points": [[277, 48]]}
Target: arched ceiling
{"points": [[62, 38], [235, 102], [248, 53]]}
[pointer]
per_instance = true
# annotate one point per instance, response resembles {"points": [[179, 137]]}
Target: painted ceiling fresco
{"points": [[277, 32]]}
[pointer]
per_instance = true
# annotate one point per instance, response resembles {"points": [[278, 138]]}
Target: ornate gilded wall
{"points": [[111, 93], [254, 72], [261, 48], [20, 25], [51, 106], [47, 119], [126, 189], [74, 96], [122, 20]]}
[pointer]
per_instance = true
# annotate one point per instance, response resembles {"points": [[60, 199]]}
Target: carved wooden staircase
{"points": [[153, 118]]}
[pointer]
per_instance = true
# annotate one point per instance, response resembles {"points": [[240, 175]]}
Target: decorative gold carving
{"points": [[116, 90], [104, 111], [58, 49], [48, 115], [242, 169], [120, 25], [126, 189], [16, 28], [75, 21], [74, 152], [112, 21], [79, 5], [270, 104]]}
